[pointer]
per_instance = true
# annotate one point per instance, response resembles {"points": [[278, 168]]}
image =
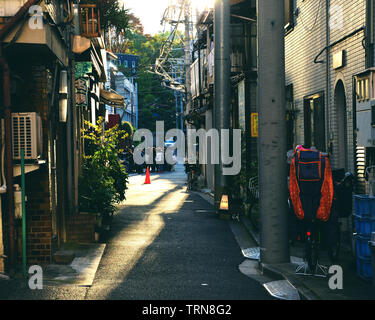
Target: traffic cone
{"points": [[148, 181]]}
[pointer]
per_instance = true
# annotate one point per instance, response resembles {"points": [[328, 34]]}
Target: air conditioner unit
{"points": [[27, 134]]}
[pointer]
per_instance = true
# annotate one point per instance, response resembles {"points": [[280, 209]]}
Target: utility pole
{"points": [[221, 85], [181, 111], [187, 57], [176, 98], [272, 132]]}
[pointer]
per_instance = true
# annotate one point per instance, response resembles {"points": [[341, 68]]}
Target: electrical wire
{"points": [[315, 21], [165, 50]]}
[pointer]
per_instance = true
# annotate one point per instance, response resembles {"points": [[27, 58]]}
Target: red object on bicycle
{"points": [[311, 185]]}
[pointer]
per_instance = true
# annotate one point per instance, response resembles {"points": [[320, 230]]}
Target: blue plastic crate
{"points": [[364, 206], [363, 248], [364, 226], [364, 269]]}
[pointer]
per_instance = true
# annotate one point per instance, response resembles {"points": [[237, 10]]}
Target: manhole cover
{"points": [[282, 290]]}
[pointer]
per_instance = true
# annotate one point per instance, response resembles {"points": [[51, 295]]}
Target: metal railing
{"points": [[89, 19]]}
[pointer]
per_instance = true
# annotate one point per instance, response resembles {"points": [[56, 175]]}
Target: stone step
{"points": [[63, 257]]}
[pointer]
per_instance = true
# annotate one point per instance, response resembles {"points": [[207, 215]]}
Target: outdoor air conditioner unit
{"points": [[27, 134]]}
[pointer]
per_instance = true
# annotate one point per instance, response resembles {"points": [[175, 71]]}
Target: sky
{"points": [[151, 12]]}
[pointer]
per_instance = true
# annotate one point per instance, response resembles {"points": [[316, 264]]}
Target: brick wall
{"points": [[80, 228], [39, 219], [2, 266], [38, 192]]}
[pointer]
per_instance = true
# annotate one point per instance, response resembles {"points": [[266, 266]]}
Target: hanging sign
{"points": [[254, 125], [81, 92]]}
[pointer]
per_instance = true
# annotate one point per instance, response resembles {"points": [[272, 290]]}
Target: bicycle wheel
{"points": [[334, 250], [311, 255]]}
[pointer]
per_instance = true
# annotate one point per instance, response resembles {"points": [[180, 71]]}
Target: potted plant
{"points": [[103, 180]]}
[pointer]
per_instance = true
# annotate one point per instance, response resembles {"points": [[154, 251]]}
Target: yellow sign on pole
{"points": [[254, 125]]}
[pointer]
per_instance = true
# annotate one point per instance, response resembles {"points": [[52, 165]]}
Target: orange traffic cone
{"points": [[148, 181]]}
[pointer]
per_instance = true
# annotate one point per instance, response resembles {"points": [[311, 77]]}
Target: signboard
{"points": [[81, 92], [339, 59], [254, 125], [82, 68]]}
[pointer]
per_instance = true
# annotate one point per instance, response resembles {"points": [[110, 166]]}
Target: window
{"points": [[363, 89], [126, 63], [290, 116], [133, 64], [314, 116], [289, 15]]}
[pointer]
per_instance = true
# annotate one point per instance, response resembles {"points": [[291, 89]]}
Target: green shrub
{"points": [[103, 179]]}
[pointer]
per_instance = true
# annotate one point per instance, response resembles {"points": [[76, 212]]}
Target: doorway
{"points": [[341, 126], [314, 118]]}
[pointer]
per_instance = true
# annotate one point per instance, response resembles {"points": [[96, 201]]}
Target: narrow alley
{"points": [[165, 243], [168, 244]]}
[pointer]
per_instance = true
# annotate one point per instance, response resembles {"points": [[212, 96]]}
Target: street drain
{"points": [[251, 253]]}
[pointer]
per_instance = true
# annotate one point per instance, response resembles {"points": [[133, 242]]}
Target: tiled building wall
{"points": [[305, 41], [353, 18], [302, 44]]}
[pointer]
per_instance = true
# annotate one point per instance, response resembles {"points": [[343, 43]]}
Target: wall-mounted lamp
{"points": [[63, 96]]}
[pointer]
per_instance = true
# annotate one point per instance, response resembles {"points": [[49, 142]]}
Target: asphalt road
{"points": [[165, 244], [169, 244]]}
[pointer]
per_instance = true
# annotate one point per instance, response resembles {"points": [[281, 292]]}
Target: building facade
{"points": [[52, 72], [243, 60], [329, 51], [122, 80], [127, 88]]}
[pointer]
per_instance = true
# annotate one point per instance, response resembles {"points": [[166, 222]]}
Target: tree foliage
{"points": [[103, 181], [156, 103]]}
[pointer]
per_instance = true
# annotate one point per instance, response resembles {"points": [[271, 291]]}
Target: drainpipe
{"points": [[328, 79], [9, 157], [8, 127]]}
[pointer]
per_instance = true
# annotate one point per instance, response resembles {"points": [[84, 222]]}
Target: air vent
{"points": [[27, 135], [361, 166]]}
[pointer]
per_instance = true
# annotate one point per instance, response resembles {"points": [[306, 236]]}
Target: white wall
{"points": [[304, 43]]}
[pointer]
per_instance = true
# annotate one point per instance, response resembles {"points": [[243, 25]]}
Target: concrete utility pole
{"points": [[272, 132], [187, 57], [221, 85], [181, 111]]}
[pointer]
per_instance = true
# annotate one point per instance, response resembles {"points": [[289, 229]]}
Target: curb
{"points": [[269, 270], [206, 196], [304, 292], [273, 271], [247, 224]]}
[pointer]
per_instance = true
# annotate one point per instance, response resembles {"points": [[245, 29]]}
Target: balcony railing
{"points": [[89, 19]]}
